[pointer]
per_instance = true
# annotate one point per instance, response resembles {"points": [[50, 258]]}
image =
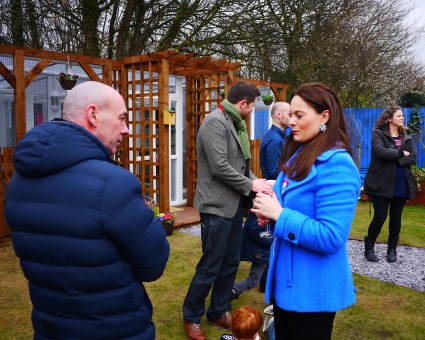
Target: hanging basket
{"points": [[267, 101], [68, 84], [168, 227]]}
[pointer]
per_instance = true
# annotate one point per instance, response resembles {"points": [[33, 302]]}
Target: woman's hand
{"points": [[266, 206]]}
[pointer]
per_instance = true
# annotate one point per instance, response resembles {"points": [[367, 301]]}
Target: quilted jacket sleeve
{"points": [[130, 224]]}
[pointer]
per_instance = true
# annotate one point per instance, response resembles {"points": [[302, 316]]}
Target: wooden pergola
{"points": [[143, 81]]}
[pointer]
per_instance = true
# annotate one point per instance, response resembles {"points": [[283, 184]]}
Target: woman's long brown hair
{"points": [[386, 116], [320, 97]]}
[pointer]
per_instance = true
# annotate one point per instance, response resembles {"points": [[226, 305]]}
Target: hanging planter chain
{"points": [[67, 80]]}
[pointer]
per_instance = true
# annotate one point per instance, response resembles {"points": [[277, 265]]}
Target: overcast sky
{"points": [[418, 16]]}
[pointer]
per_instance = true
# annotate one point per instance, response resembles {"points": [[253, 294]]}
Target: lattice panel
{"points": [[143, 121], [203, 96]]}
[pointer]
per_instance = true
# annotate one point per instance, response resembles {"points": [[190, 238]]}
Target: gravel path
{"points": [[408, 271]]}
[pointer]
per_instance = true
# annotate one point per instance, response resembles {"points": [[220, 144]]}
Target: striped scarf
{"points": [[240, 127]]}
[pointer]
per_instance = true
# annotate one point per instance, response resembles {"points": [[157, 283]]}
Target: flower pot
{"points": [[168, 227], [68, 84], [420, 197], [267, 101]]}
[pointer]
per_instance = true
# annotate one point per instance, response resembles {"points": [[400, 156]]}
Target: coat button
{"points": [[291, 236]]}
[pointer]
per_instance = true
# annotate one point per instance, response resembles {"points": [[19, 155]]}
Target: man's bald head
{"points": [[84, 94], [100, 110], [280, 115]]}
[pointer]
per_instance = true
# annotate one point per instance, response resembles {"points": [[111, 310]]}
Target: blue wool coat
{"points": [[309, 268], [85, 238]]}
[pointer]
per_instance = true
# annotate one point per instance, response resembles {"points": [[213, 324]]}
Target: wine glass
{"points": [[268, 233]]}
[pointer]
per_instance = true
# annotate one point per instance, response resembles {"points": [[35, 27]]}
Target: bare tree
{"points": [[359, 47]]}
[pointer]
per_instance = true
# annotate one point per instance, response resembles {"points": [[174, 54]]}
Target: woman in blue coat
{"points": [[313, 206]]}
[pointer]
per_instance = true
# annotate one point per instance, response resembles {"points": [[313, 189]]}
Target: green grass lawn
{"points": [[383, 310], [412, 229]]}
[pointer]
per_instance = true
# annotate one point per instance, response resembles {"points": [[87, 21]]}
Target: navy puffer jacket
{"points": [[85, 238]]}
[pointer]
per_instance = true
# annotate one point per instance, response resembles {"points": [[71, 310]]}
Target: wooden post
{"points": [[164, 148], [20, 103], [190, 144]]}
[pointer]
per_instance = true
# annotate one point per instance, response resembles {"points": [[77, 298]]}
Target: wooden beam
{"points": [[270, 84], [161, 55], [193, 72], [220, 62], [216, 66], [280, 93], [236, 66], [198, 61], [7, 75], [36, 71], [89, 70], [20, 101], [42, 54], [150, 57], [180, 58], [202, 65]]}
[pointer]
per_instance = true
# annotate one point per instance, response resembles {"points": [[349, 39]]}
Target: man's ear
{"points": [[240, 104], [92, 115]]}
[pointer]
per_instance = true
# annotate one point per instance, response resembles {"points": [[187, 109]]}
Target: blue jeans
{"points": [[252, 280], [217, 267]]}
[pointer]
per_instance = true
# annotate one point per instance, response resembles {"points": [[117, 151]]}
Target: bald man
{"points": [[273, 140], [84, 235]]}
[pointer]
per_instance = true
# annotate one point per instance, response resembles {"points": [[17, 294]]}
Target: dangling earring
{"points": [[323, 127]]}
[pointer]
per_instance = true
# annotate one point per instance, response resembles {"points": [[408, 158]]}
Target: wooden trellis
{"points": [[143, 81]]}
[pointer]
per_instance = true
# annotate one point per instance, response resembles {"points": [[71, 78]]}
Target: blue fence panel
{"points": [[360, 126], [361, 123], [261, 117]]}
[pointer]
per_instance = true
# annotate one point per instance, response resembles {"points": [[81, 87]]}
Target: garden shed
{"points": [[167, 96]]}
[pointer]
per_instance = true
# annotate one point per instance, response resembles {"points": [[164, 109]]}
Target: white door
{"points": [[177, 144]]}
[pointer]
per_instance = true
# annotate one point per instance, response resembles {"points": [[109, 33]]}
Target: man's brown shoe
{"points": [[194, 331], [224, 321]]}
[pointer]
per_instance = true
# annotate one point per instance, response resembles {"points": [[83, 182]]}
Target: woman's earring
{"points": [[323, 127]]}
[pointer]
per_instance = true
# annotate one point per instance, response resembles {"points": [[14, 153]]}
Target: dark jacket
{"points": [[255, 248], [380, 177], [270, 150], [85, 238]]}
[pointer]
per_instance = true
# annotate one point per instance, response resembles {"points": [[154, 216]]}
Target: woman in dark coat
{"points": [[389, 179]]}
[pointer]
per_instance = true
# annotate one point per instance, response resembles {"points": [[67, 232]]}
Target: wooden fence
{"points": [[255, 160], [6, 162]]}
